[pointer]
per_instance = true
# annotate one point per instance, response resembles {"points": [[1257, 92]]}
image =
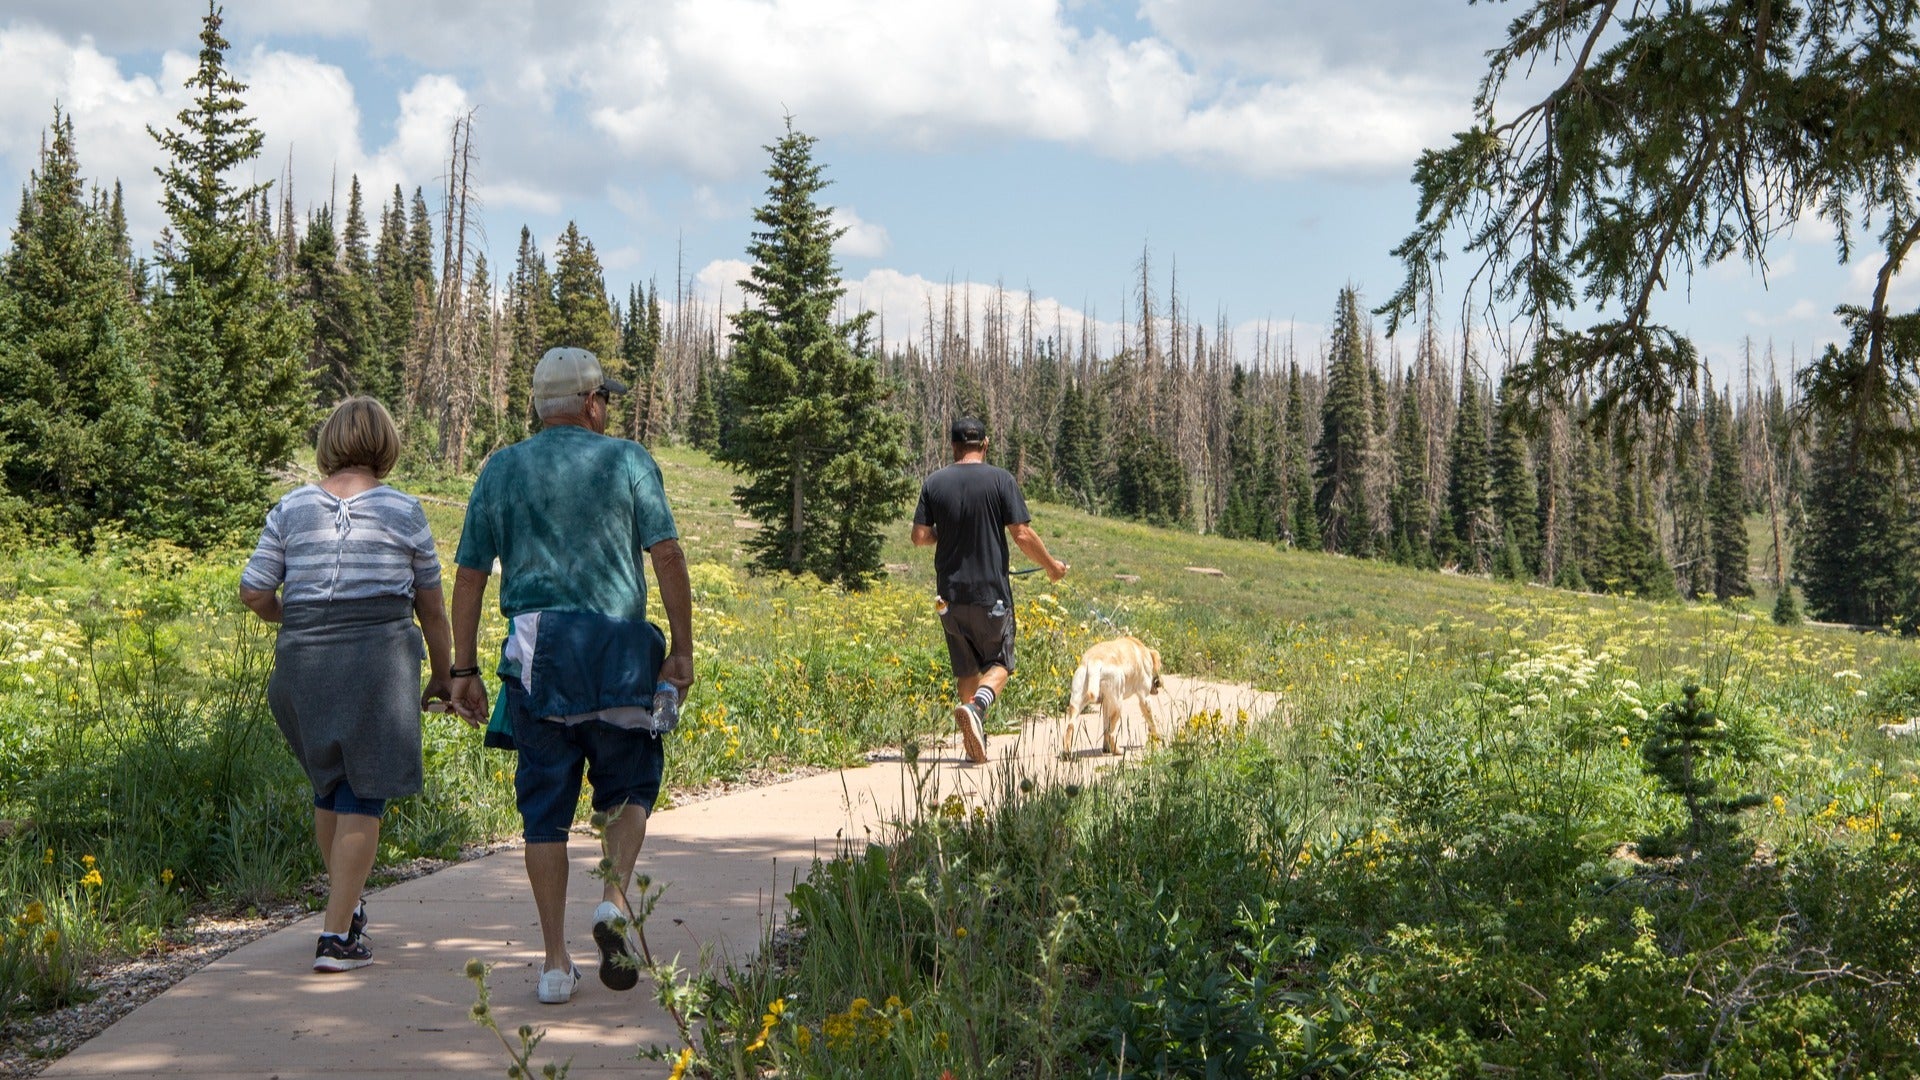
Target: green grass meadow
{"points": [[1428, 862]]}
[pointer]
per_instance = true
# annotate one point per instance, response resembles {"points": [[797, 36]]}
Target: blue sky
{"points": [[1262, 149]]}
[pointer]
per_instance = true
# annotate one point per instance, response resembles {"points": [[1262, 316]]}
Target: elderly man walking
{"points": [[967, 512], [567, 513]]}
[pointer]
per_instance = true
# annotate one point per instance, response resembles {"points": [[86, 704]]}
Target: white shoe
{"points": [[618, 969], [972, 734], [556, 987]]}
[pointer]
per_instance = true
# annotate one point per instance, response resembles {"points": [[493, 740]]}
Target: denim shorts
{"points": [[341, 800], [624, 766]]}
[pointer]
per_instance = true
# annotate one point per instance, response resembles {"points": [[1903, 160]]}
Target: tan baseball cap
{"points": [[565, 371]]}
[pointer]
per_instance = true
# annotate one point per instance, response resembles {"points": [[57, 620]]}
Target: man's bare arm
{"points": [[924, 536], [1029, 542], [468, 693], [676, 595]]}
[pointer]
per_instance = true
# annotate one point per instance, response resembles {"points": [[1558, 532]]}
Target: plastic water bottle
{"points": [[666, 706]]}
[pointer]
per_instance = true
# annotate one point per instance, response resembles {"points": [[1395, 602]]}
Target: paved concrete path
{"points": [[260, 1011]]}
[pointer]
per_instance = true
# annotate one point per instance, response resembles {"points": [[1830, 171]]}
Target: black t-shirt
{"points": [[970, 507]]}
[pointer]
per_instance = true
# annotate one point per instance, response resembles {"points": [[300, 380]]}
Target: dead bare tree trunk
{"points": [[452, 364]]}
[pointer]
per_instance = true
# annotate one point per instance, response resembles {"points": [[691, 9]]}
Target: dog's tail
{"points": [[1083, 693]]}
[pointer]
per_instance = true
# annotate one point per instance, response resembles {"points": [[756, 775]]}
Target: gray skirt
{"points": [[345, 691]]}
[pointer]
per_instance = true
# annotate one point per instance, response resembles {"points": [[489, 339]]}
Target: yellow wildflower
{"points": [[51, 939], [35, 914], [680, 1065], [92, 879], [86, 861]]}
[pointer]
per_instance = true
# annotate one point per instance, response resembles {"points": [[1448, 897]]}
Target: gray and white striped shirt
{"points": [[319, 547]]}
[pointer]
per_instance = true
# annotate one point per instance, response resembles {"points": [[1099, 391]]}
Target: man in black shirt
{"points": [[967, 512]]}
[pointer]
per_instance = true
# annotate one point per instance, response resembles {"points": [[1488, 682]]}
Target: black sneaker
{"points": [[341, 954], [967, 715], [359, 924]]}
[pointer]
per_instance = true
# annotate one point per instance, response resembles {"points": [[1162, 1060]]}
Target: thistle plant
{"points": [[526, 1039]]}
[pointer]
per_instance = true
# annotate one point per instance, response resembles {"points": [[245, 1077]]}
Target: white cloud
{"points": [[717, 284], [928, 74], [862, 239], [1302, 39]]}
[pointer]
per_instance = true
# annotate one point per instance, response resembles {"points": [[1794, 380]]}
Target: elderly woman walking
{"points": [[354, 566]]}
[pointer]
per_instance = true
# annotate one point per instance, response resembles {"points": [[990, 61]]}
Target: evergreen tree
{"points": [[1469, 479], [418, 261], [532, 319], [1149, 483], [703, 422], [395, 303], [76, 423], [1665, 138], [1248, 511], [640, 328], [1858, 547], [1687, 502], [1591, 528], [135, 267], [824, 458], [488, 420], [580, 298], [1727, 508], [1516, 499], [340, 359], [1409, 512], [1686, 736], [1346, 436], [1855, 561], [1080, 450], [1303, 518], [374, 374], [1635, 562], [230, 388]]}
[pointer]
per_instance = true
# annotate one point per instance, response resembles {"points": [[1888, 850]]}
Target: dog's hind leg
{"points": [[1110, 712], [1146, 710]]}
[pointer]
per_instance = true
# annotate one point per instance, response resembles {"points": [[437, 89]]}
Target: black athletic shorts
{"points": [[978, 639]]}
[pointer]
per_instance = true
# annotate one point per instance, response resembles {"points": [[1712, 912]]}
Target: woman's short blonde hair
{"points": [[360, 432]]}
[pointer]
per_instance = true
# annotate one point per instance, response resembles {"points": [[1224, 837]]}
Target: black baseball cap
{"points": [[969, 430]]}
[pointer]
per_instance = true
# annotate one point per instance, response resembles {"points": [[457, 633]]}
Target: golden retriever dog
{"points": [[1109, 673]]}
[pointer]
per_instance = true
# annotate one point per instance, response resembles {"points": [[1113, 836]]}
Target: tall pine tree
{"points": [[823, 456], [1469, 479], [1516, 497], [76, 423], [1412, 546], [1346, 435], [1727, 507], [1302, 517], [227, 345]]}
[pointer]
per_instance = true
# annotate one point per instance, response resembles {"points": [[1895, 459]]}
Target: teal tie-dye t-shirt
{"points": [[569, 514]]}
